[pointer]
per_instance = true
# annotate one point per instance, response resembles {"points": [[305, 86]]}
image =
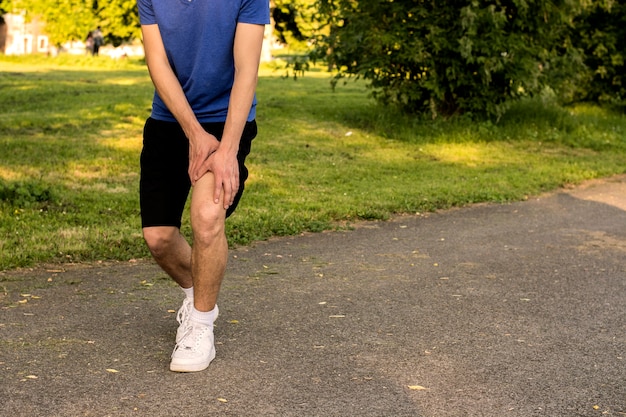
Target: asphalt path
{"points": [[489, 310]]}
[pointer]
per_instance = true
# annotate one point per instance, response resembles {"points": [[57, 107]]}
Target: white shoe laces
{"points": [[184, 310], [192, 337]]}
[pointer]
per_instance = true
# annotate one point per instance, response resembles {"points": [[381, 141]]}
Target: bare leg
{"points": [[210, 248], [171, 251]]}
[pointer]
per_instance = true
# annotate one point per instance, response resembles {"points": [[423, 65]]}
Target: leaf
{"points": [[113, 371], [32, 376], [222, 400], [416, 387]]}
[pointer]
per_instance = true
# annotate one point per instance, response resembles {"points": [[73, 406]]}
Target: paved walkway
{"points": [[491, 310]]}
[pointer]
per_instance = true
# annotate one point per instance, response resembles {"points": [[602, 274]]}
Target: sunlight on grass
{"points": [[470, 155], [71, 135], [116, 141], [10, 174]]}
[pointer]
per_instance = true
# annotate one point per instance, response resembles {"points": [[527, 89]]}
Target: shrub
{"points": [[452, 57], [600, 33]]}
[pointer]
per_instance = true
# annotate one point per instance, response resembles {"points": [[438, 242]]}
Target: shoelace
{"points": [[184, 311], [186, 342]]}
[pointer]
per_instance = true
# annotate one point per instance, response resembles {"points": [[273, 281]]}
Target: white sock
{"points": [[203, 317], [188, 292]]}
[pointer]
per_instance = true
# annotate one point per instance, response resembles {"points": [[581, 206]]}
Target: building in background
{"points": [[18, 37]]}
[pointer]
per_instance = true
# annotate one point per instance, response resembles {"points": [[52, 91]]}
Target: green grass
{"points": [[70, 138]]}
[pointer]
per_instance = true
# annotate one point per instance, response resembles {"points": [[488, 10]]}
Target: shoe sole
{"points": [[191, 367]]}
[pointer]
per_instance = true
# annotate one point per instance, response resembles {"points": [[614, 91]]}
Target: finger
{"points": [[235, 188], [228, 192], [190, 172], [217, 191]]}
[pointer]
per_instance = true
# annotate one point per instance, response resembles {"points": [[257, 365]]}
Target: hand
{"points": [[225, 169], [200, 149]]}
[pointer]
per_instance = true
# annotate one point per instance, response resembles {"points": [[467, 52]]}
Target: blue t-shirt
{"points": [[198, 36]]}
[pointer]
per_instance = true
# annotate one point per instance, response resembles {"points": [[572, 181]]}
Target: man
{"points": [[203, 58], [98, 40]]}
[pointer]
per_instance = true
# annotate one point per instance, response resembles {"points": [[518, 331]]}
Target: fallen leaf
{"points": [[596, 407], [113, 371], [234, 322], [171, 311], [222, 400], [416, 387], [32, 376], [337, 316]]}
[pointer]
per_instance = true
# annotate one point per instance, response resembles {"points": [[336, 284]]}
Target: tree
{"points": [[119, 19], [65, 19], [447, 58], [600, 33], [74, 19], [294, 24]]}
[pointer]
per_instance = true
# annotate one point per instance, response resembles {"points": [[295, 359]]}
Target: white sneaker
{"points": [[196, 348], [182, 317]]}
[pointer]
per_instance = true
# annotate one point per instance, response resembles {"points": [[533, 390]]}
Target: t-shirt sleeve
{"points": [[254, 12], [146, 12]]}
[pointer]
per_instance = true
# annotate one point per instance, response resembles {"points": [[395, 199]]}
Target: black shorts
{"points": [[164, 184]]}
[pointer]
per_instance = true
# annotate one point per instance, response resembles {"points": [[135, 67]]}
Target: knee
{"points": [[160, 240], [208, 226]]}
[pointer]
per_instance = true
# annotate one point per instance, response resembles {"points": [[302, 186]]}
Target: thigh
{"points": [[164, 184], [245, 144]]}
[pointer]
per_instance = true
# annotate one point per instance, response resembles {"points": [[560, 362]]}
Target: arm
{"points": [[223, 163], [201, 143]]}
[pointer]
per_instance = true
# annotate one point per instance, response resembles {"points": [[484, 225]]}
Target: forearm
{"points": [[247, 53], [241, 98]]}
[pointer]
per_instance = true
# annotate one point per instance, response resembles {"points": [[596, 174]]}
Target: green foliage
{"points": [[21, 194], [65, 19], [74, 19], [447, 58], [600, 32], [294, 23], [119, 20]]}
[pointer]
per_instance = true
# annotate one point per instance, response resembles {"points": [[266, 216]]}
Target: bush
{"points": [[600, 33], [451, 57]]}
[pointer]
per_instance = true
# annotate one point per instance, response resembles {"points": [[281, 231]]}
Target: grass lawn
{"points": [[70, 138]]}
